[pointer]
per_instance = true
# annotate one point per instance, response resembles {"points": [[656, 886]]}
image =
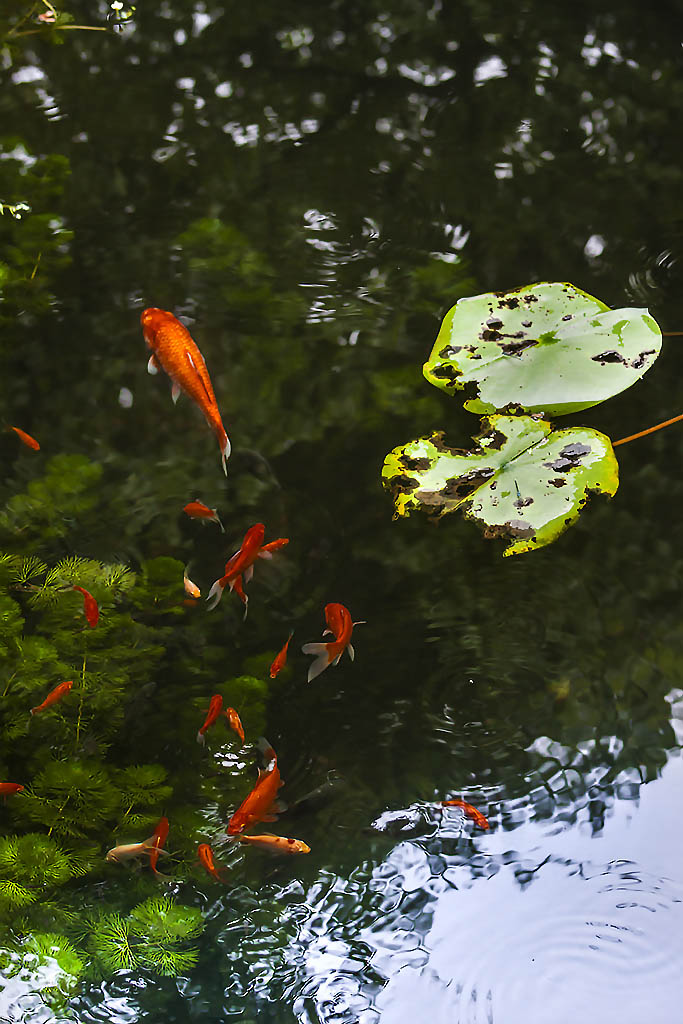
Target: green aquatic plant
{"points": [[154, 935], [30, 866]]}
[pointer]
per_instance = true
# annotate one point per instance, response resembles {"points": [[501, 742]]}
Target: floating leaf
{"points": [[547, 347], [524, 482]]}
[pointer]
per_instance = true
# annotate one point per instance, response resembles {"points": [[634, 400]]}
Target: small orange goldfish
{"points": [[175, 352], [280, 659], [340, 625], [242, 563], [214, 710], [198, 510], [260, 802], [191, 589], [235, 723], [159, 837], [276, 844], [53, 696], [90, 609], [205, 854], [10, 787], [469, 811], [29, 441]]}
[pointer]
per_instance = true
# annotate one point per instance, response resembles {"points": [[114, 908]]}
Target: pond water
{"points": [[310, 188]]}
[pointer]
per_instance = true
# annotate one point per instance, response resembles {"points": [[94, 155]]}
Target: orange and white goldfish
{"points": [[205, 854], [159, 837], [90, 609], [469, 811], [29, 441], [260, 802], [276, 844], [280, 659], [53, 696], [175, 352], [340, 625], [198, 510], [235, 723], [214, 711], [240, 568], [129, 851], [6, 788], [191, 589]]}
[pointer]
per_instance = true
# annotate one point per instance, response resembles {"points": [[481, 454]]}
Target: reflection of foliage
{"points": [[29, 959], [153, 935]]}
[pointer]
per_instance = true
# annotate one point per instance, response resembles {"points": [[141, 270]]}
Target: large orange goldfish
{"points": [[29, 441], [90, 607], [240, 568], [159, 838], [175, 352], [128, 851], [215, 709], [260, 802], [341, 626]]}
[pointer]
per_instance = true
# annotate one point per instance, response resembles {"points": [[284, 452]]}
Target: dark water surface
{"points": [[311, 186]]}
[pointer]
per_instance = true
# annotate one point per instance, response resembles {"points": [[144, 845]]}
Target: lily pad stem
{"points": [[650, 430]]}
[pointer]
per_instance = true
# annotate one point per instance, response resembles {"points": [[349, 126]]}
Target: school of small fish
{"points": [[175, 352]]}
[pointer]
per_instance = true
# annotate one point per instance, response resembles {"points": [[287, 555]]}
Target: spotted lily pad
{"points": [[523, 482], [548, 348]]}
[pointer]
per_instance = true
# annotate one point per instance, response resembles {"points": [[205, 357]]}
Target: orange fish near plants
{"points": [[341, 626], [276, 844], [90, 609], [191, 589], [260, 802], [175, 352], [280, 660], [235, 723], [240, 568], [29, 441], [214, 711], [53, 696], [198, 510], [469, 811], [129, 851], [159, 837], [205, 854], [6, 788]]}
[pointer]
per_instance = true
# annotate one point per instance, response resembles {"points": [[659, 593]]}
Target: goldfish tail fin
{"points": [[266, 750], [279, 807], [218, 520], [322, 660], [215, 594], [352, 653], [200, 739], [225, 447]]}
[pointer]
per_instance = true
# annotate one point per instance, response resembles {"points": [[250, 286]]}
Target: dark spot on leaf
{"points": [[437, 440], [447, 371], [403, 484], [567, 316], [531, 298], [494, 323], [515, 348], [612, 356], [570, 456], [416, 465], [526, 323], [513, 529], [559, 481], [511, 302], [487, 335], [493, 485], [512, 409], [496, 439], [460, 487], [448, 351], [523, 502], [640, 359]]}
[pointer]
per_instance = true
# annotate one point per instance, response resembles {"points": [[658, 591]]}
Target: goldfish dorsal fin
{"points": [[152, 365]]}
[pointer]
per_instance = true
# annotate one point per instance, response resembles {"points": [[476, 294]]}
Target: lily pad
{"points": [[547, 347], [524, 481]]}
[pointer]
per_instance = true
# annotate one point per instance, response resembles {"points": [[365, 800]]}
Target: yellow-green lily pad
{"points": [[523, 482], [547, 347]]}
